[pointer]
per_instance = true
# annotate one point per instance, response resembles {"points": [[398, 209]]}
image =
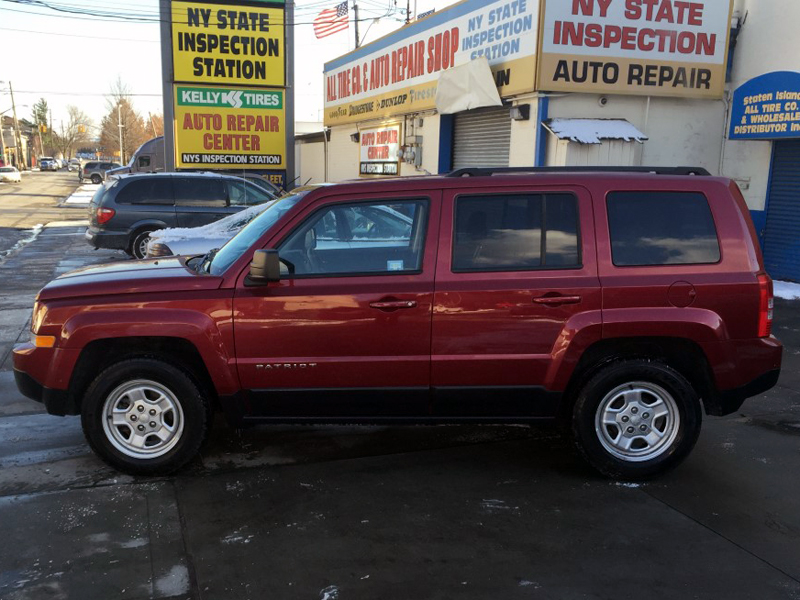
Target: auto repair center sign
{"points": [[398, 73], [645, 47], [380, 150], [229, 128]]}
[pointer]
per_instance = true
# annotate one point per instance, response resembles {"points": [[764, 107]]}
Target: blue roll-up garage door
{"points": [[782, 233]]}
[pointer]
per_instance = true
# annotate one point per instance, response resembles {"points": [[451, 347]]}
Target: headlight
{"points": [[158, 249]]}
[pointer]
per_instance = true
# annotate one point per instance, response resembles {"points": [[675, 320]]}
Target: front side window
{"points": [[516, 232], [200, 191], [144, 161], [242, 193], [362, 238], [661, 228]]}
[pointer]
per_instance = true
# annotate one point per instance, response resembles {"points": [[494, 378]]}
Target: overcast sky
{"points": [[75, 59]]}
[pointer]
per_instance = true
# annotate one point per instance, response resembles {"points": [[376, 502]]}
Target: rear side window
{"points": [[148, 190], [661, 228], [200, 191], [516, 232]]}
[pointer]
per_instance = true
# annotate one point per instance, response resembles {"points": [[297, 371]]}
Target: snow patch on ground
{"points": [[628, 485], [175, 582], [32, 235], [83, 195], [786, 290]]}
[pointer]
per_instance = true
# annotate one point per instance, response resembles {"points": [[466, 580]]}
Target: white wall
{"points": [[523, 135], [768, 41], [310, 162]]}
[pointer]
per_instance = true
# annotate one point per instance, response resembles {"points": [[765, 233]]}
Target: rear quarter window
{"points": [[661, 228]]}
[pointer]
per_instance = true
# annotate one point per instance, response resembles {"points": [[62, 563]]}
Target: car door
{"points": [[347, 332], [516, 277], [200, 200]]}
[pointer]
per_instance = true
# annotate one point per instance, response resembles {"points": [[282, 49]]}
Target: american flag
{"points": [[331, 20]]}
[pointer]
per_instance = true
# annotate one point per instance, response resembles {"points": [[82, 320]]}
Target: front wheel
{"points": [[144, 417], [636, 419], [96, 179]]}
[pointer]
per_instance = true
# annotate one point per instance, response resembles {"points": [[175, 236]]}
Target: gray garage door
{"points": [[782, 232], [482, 138]]}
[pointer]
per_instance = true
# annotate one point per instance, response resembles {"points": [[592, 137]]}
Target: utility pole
{"points": [[20, 155], [408, 11], [153, 125], [355, 9], [119, 123]]}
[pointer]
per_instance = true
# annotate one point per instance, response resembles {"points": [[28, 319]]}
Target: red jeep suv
{"points": [[627, 301]]}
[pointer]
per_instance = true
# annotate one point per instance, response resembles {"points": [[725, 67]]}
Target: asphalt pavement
{"points": [[472, 512]]}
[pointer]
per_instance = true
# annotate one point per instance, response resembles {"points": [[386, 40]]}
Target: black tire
{"points": [[137, 248], [621, 392], [190, 418], [97, 179]]}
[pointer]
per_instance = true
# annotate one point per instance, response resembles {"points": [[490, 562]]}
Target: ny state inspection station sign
{"points": [[233, 128], [228, 44]]}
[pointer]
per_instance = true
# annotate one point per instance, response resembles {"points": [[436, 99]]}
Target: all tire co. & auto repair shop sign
{"points": [[230, 85]]}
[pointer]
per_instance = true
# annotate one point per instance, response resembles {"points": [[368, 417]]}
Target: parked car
{"points": [[48, 163], [127, 209], [95, 171], [192, 241], [10, 175], [625, 303], [74, 164]]}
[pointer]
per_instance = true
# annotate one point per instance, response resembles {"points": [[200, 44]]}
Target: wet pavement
{"points": [[389, 512]]}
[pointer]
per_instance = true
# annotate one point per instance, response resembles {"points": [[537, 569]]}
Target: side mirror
{"points": [[265, 266]]}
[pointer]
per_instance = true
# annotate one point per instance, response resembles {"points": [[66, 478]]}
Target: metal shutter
{"points": [[482, 138], [782, 232]]}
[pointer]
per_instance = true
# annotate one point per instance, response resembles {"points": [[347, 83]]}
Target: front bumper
{"points": [[57, 402]]}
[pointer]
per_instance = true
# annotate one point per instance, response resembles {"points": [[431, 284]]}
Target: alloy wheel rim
{"points": [[143, 419], [637, 421]]}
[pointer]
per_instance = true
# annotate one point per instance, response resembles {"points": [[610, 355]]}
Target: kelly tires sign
{"points": [[233, 128], [380, 150], [645, 47]]}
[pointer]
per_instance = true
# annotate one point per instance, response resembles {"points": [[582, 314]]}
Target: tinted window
{"points": [[661, 228], [144, 161], [200, 191], [147, 190], [516, 232], [90, 165], [371, 237]]}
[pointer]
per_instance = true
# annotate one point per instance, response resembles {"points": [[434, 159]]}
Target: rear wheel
{"points": [[636, 419], [96, 179], [145, 417]]}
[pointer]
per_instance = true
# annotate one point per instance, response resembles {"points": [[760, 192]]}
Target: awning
{"points": [[468, 86], [594, 131]]}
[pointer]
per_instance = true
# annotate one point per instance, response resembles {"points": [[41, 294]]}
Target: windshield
{"points": [[243, 240]]}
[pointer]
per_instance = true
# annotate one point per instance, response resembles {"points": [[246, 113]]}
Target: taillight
{"points": [[104, 215], [765, 305]]}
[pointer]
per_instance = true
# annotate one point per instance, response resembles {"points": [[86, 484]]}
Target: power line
{"points": [[75, 35], [101, 94]]}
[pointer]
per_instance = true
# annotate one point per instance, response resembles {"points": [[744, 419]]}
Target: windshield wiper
{"points": [[205, 262]]}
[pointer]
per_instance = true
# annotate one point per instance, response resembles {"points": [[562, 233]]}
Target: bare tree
{"points": [[133, 130], [74, 133], [155, 125]]}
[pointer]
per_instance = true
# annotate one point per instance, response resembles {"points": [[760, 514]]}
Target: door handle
{"points": [[556, 300], [393, 304]]}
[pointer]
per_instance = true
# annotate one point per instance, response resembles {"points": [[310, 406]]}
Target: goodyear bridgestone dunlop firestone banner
{"points": [[232, 128]]}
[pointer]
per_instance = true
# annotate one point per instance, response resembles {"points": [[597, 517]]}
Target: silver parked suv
{"points": [[95, 171]]}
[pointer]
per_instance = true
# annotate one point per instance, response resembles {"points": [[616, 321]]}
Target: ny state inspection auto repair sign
{"points": [[228, 45], [239, 128], [646, 47]]}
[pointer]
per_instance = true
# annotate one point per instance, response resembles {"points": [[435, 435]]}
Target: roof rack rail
{"points": [[484, 171]]}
